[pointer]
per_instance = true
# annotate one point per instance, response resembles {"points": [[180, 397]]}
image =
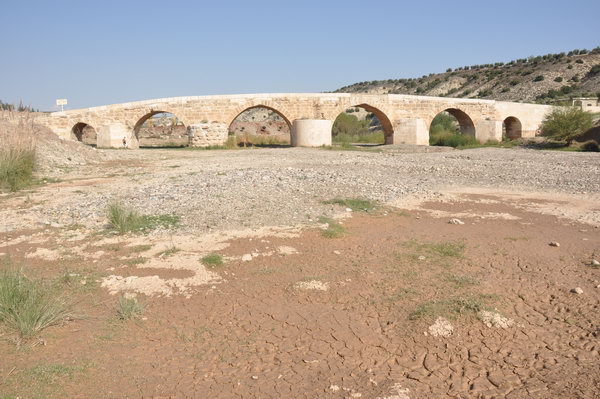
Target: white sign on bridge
{"points": [[62, 102]]}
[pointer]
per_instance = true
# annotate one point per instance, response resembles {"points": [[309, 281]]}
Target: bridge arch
{"points": [[465, 123], [279, 130], [512, 128], [381, 120], [172, 120], [84, 132], [281, 114]]}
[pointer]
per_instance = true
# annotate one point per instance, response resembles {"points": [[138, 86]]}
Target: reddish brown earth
{"points": [[255, 334]]}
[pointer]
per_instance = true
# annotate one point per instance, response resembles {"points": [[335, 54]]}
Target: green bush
{"points": [[595, 70], [566, 123], [558, 79], [538, 78]]}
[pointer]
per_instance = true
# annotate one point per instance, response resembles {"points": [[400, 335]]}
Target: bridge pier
{"points": [[207, 134], [488, 130], [411, 131], [311, 132], [112, 135]]}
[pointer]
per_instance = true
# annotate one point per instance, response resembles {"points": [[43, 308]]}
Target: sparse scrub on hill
{"points": [[566, 123], [17, 153], [534, 75]]}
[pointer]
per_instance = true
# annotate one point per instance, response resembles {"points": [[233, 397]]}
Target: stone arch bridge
{"points": [[404, 118]]}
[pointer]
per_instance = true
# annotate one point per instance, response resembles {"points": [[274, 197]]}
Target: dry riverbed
{"points": [[450, 287]]}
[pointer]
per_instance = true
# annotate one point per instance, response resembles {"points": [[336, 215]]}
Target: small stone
{"points": [[246, 257], [456, 221], [348, 210], [441, 328], [334, 388], [421, 257], [255, 377], [554, 244], [577, 290], [595, 262], [336, 252]]}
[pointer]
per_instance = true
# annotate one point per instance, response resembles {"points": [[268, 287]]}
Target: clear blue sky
{"points": [[104, 52]]}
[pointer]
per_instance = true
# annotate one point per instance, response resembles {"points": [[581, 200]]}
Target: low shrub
{"points": [[566, 123]]}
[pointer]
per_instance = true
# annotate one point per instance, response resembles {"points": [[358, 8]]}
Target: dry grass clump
{"points": [[17, 152], [29, 306]]}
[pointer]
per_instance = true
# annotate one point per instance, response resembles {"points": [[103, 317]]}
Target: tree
{"points": [[566, 123]]}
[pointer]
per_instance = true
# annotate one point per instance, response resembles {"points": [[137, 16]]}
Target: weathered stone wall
{"points": [[207, 134], [405, 118]]}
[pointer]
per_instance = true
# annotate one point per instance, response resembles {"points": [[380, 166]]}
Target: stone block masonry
{"points": [[404, 118]]}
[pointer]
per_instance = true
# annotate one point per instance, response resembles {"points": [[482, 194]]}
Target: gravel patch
{"points": [[222, 190]]}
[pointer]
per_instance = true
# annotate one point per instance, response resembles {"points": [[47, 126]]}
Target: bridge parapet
{"points": [[405, 118]]}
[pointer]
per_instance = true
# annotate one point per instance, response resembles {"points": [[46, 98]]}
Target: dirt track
{"points": [[256, 328]]}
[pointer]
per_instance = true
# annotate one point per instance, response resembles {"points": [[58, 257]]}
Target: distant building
{"points": [[589, 104]]}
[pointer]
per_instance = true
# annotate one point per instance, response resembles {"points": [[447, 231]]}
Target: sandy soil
{"points": [[404, 305]]}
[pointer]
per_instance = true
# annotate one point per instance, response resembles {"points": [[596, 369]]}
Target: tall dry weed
{"points": [[17, 150]]}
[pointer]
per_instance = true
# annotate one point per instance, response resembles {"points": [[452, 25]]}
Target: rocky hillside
{"points": [[544, 79]]}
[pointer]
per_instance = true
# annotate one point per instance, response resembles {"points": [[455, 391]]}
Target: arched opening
{"points": [[260, 126], [159, 129], [364, 125], [452, 127], [84, 133], [511, 128]]}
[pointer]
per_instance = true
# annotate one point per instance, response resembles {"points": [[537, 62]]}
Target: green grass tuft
{"points": [[29, 306], [212, 260], [451, 308], [356, 204], [334, 229], [169, 251], [446, 249], [129, 309], [124, 220]]}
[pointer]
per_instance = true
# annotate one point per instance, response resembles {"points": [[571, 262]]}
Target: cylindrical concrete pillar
{"points": [[311, 132]]}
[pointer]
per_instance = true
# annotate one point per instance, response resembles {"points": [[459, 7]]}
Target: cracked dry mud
{"points": [[266, 328]]}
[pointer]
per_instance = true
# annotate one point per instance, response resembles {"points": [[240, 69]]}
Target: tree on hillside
{"points": [[566, 123]]}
